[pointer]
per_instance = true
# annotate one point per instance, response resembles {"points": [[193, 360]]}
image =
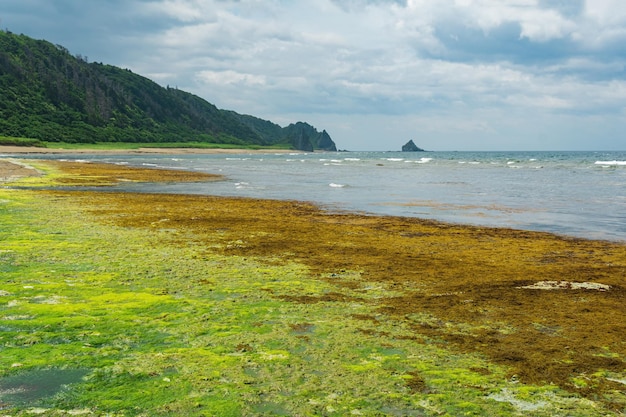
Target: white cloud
{"points": [[536, 23], [545, 25], [186, 11], [602, 24], [605, 12], [230, 77]]}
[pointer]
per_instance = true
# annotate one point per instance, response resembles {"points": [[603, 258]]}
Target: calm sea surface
{"points": [[573, 193]]}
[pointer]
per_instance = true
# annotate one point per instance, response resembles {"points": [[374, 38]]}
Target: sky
{"points": [[448, 74]]}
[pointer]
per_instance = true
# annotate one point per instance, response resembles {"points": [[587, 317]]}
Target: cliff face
{"points": [[301, 136], [325, 142], [50, 95]]}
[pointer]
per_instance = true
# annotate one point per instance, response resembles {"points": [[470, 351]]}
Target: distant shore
{"points": [[173, 151]]}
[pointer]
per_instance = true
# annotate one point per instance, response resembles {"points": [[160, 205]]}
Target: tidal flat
{"points": [[128, 304]]}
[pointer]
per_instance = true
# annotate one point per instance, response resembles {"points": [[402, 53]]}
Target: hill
{"points": [[50, 95]]}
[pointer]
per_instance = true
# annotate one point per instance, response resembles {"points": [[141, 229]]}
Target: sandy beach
{"points": [[548, 309], [12, 170]]}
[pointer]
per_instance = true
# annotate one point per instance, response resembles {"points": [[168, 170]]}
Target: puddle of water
{"points": [[28, 388]]}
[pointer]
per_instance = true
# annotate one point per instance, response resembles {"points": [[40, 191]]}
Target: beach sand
{"points": [[475, 289], [11, 170]]}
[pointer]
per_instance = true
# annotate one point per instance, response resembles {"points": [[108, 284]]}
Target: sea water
{"points": [[580, 194]]}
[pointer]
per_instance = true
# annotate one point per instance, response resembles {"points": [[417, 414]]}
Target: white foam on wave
{"points": [[395, 159], [610, 163], [421, 161], [351, 159], [334, 185]]}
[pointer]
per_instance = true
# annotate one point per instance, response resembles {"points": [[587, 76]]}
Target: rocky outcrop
{"points": [[304, 137], [411, 147], [325, 143]]}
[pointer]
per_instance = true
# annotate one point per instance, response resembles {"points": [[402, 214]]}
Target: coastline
{"points": [[173, 151], [539, 309]]}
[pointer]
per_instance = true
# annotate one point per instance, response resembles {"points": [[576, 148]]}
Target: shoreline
{"points": [[12, 170], [541, 309], [174, 151]]}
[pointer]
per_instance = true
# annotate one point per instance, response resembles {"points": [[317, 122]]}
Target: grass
{"points": [[13, 141], [184, 305], [131, 146], [18, 141]]}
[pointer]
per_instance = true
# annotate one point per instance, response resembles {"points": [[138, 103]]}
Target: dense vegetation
{"points": [[50, 95]]}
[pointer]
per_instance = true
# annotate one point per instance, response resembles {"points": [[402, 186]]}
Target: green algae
{"points": [[165, 328]]}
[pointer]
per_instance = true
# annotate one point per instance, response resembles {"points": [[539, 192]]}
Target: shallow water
{"points": [[29, 387], [573, 193]]}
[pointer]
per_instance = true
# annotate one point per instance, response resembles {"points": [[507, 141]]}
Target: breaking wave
{"points": [[610, 163]]}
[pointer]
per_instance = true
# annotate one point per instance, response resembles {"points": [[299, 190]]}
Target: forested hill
{"points": [[48, 94]]}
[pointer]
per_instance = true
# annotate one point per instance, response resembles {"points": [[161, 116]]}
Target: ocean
{"points": [[581, 194]]}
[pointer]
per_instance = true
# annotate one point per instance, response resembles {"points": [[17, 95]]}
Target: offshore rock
{"points": [[411, 147]]}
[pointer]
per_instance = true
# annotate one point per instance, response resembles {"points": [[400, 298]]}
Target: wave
{"points": [[334, 185], [608, 163]]}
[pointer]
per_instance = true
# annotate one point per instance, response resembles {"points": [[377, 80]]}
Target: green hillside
{"points": [[50, 95]]}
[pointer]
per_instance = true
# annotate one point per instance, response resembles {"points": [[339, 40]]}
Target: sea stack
{"points": [[411, 147]]}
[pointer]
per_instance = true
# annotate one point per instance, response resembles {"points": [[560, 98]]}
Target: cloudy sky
{"points": [[449, 74]]}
